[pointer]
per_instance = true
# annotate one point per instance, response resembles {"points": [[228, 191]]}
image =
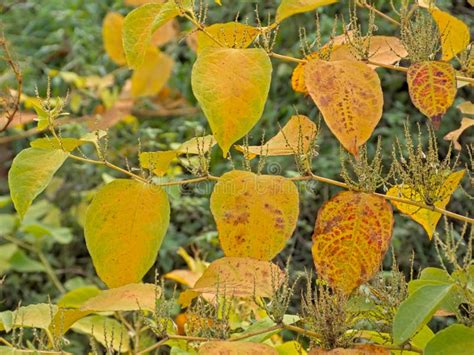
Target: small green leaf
{"points": [[31, 171], [23, 263], [456, 339], [417, 310]]}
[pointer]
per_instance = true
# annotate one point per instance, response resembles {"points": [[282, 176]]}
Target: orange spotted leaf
{"points": [[432, 87], [349, 95], [255, 214], [351, 236], [427, 218], [240, 277]]}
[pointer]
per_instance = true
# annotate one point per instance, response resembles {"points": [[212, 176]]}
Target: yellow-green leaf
{"points": [[427, 218], [454, 33], [351, 236], [112, 37], [289, 8], [152, 75], [67, 144], [230, 35], [235, 348], [432, 88], [231, 85], [125, 225], [349, 95], [240, 277], [75, 298], [291, 348], [295, 138], [30, 173], [32, 316], [255, 214]]}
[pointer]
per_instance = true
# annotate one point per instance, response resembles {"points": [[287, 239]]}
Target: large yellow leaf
{"points": [[30, 173], [235, 348], [432, 88], [112, 37], [349, 95], [296, 137], [289, 8], [231, 85], [230, 34], [351, 236], [255, 214], [454, 33], [240, 277], [427, 218], [125, 225], [152, 75], [159, 162]]}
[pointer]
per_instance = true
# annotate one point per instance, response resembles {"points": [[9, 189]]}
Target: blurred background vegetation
{"points": [[58, 37]]}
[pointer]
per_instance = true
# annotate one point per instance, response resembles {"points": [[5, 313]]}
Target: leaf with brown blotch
{"points": [[240, 277], [230, 35], [152, 75], [382, 49], [427, 218], [231, 86], [432, 88], [112, 37], [255, 214], [453, 136], [235, 348], [351, 236], [349, 95], [296, 137]]}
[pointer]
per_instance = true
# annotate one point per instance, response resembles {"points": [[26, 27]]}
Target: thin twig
{"points": [[364, 4], [257, 332]]}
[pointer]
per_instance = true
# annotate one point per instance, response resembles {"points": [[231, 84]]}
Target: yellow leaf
{"points": [[454, 33], [240, 277], [230, 34], [125, 225], [139, 26], [218, 2], [289, 8], [152, 75], [382, 49], [453, 136], [351, 236], [427, 218], [112, 37], [466, 107], [166, 33], [141, 2], [185, 277], [349, 95], [75, 298], [255, 214], [291, 348], [64, 319], [235, 348], [432, 88], [296, 137], [231, 85], [197, 145], [67, 144], [32, 316], [158, 162], [365, 349], [131, 297]]}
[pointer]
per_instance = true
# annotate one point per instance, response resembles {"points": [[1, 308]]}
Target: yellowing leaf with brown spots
{"points": [[454, 33], [432, 88], [351, 236], [125, 225], [159, 162], [349, 95], [289, 8], [240, 277], [152, 75], [235, 348], [112, 37], [231, 85], [131, 297], [296, 137], [427, 218], [453, 136], [230, 35], [255, 214]]}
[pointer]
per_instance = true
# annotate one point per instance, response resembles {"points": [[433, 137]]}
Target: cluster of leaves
{"points": [[256, 214]]}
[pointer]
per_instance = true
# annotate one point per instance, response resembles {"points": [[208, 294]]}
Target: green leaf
{"points": [[8, 224], [31, 171], [32, 316], [456, 339], [6, 253], [23, 263], [125, 226], [231, 85], [417, 310]]}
